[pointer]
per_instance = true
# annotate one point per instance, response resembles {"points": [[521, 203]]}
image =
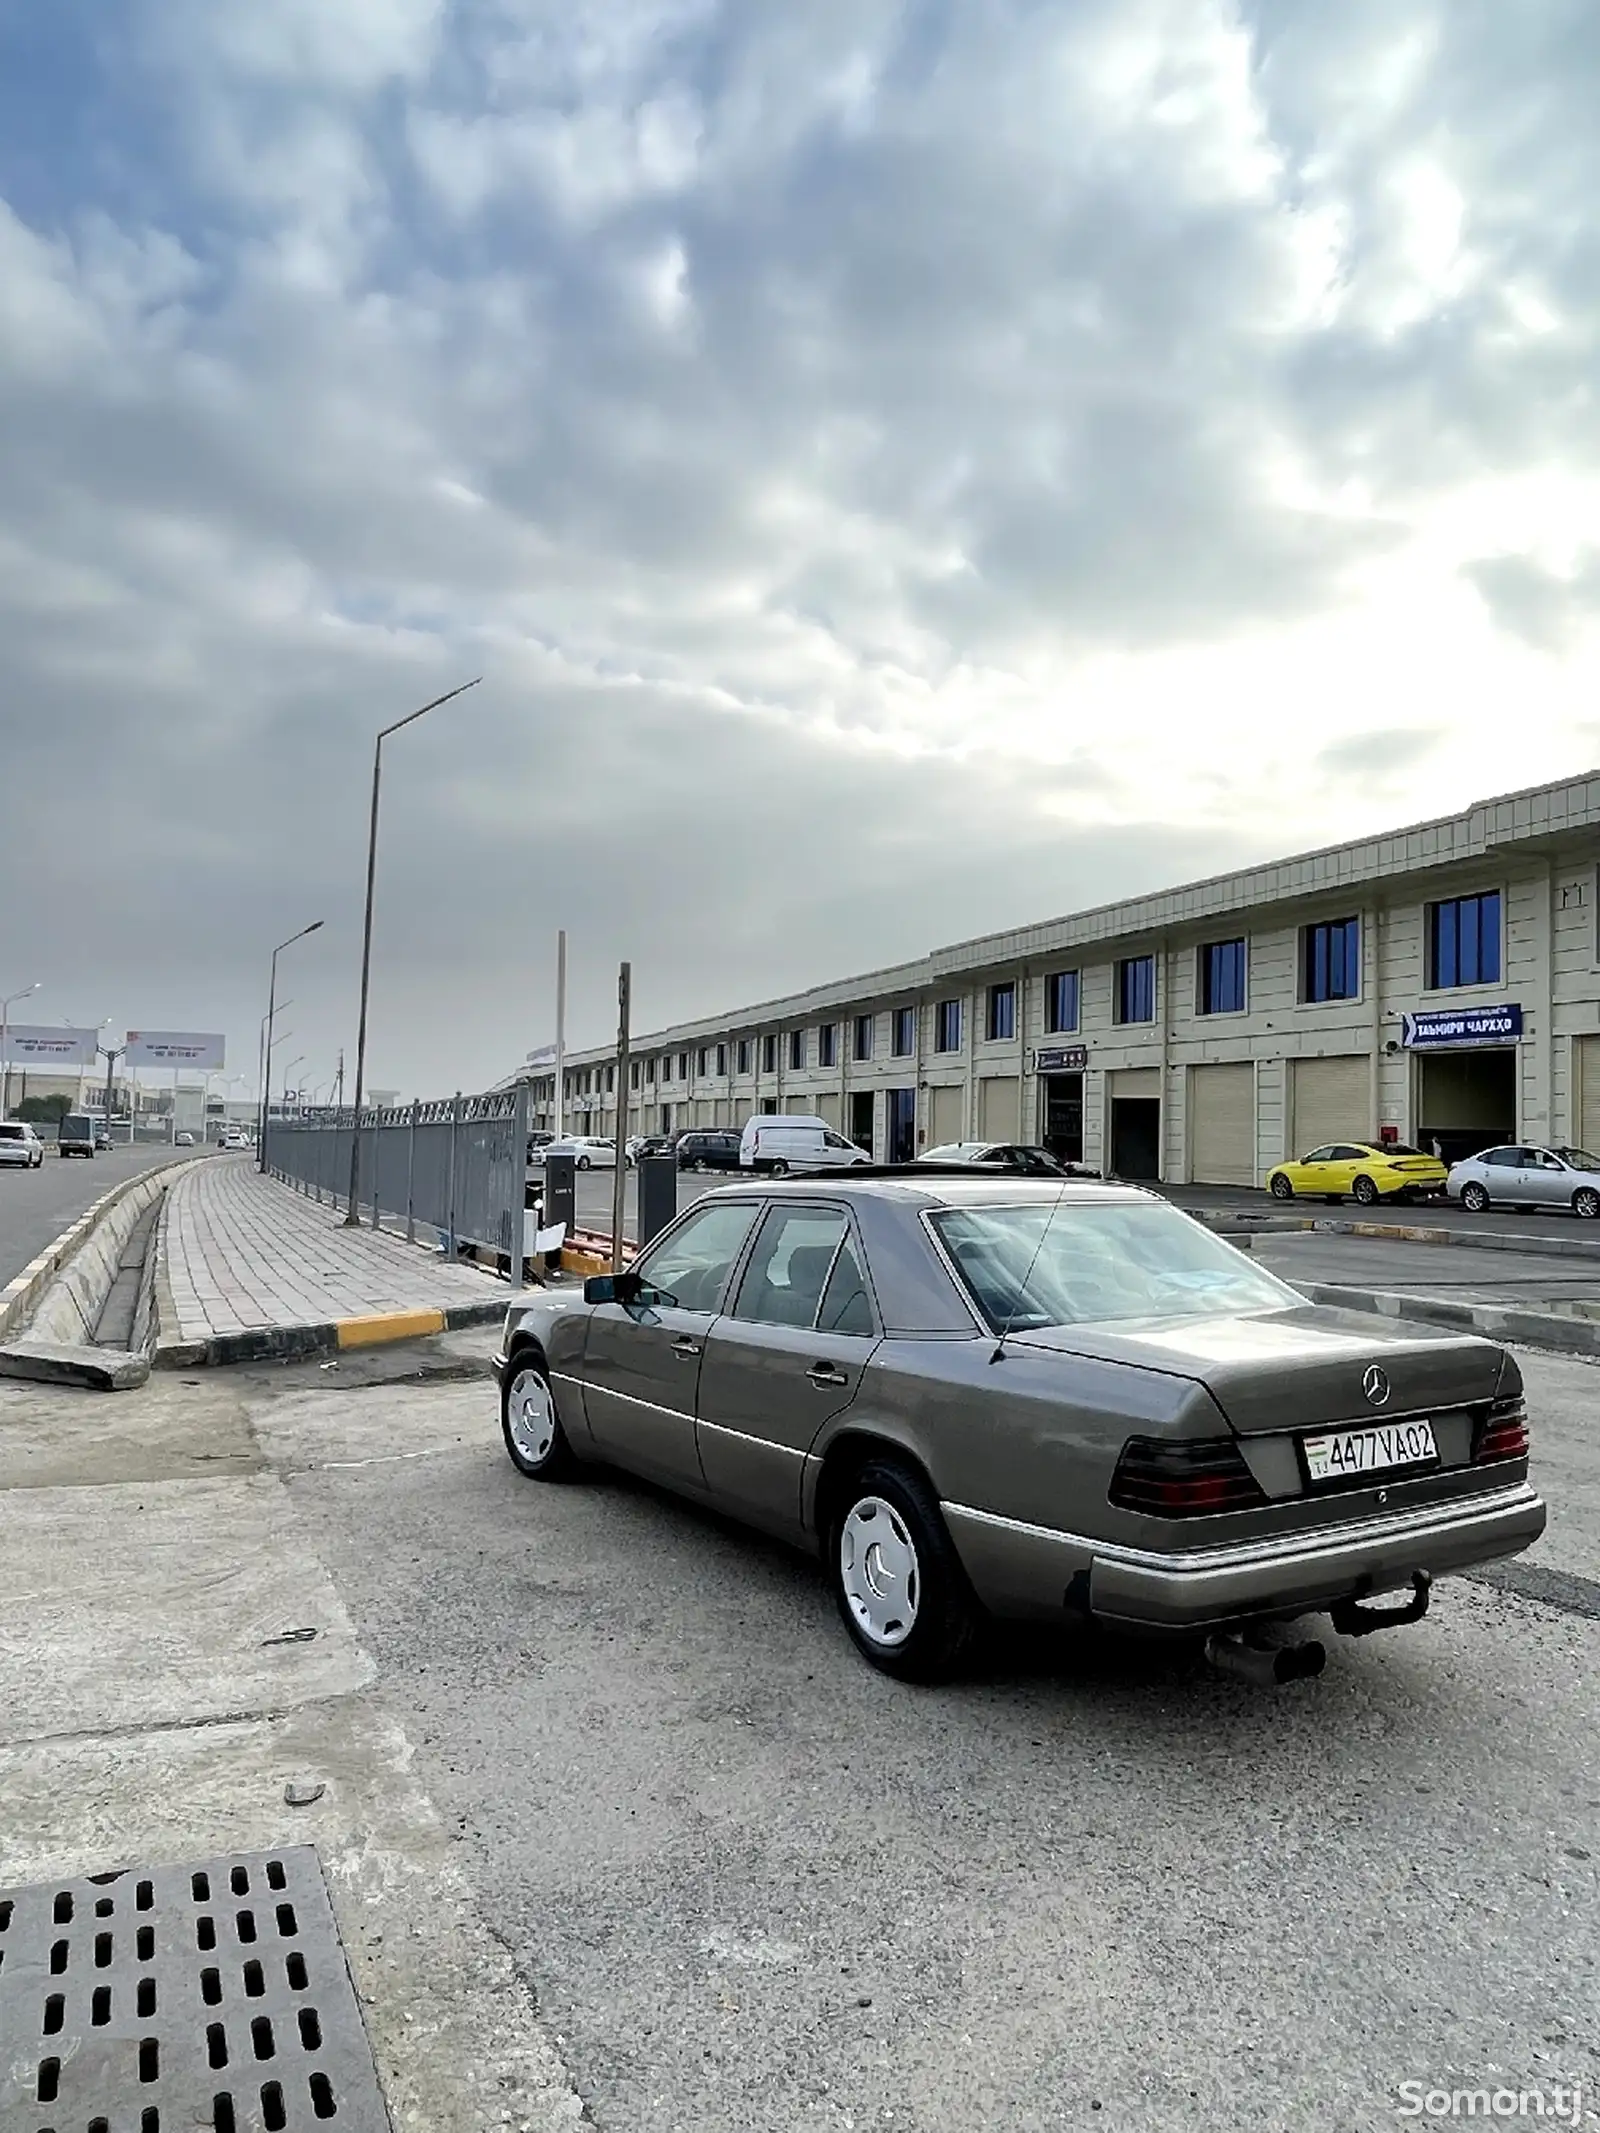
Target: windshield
{"points": [[1578, 1159], [1050, 1264]]}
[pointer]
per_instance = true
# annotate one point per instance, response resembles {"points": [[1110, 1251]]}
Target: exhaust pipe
{"points": [[1265, 1669]]}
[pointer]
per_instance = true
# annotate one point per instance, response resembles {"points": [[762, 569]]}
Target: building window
{"points": [[863, 1036], [797, 1049], [722, 1059], [633, 1076], [611, 1079], [1222, 978], [1330, 961], [828, 1044], [744, 1055], [769, 1055], [650, 1072], [1464, 940], [1061, 1002], [701, 1056], [1002, 1023], [947, 1026], [683, 1066], [1136, 989], [903, 1037]]}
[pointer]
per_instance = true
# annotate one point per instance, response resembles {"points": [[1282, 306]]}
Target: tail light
{"points": [[1168, 1480], [1504, 1434]]}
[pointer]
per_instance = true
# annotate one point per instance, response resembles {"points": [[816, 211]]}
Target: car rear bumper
{"points": [[1027, 1570]]}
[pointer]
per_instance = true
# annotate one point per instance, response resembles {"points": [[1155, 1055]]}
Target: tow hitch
{"points": [[1265, 1666], [1355, 1618]]}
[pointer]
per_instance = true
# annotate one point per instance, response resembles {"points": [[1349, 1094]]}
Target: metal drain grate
{"points": [[162, 1999]]}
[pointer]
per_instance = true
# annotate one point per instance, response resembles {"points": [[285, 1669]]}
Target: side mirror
{"points": [[612, 1289]]}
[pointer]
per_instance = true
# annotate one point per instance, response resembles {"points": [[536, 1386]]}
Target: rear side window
{"points": [[846, 1307], [789, 1267]]}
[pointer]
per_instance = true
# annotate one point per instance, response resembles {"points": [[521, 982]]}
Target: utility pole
{"points": [[111, 1053], [339, 1081], [561, 1034], [352, 1217], [619, 1195]]}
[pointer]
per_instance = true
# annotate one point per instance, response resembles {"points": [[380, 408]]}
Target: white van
{"points": [[795, 1141]]}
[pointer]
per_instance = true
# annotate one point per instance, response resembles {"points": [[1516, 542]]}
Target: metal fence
{"points": [[458, 1167]]}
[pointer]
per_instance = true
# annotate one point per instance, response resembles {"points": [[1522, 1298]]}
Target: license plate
{"points": [[1343, 1452]]}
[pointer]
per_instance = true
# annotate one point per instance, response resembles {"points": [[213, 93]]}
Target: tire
{"points": [[1365, 1191], [1586, 1202], [1281, 1187], [923, 1621], [1475, 1197], [582, 1163], [535, 1440], [780, 1169]]}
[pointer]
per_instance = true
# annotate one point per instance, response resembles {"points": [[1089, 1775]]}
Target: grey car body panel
{"points": [[1022, 1451]]}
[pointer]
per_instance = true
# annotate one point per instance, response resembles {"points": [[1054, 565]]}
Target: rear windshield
{"points": [[1055, 1264], [76, 1128], [13, 1133]]}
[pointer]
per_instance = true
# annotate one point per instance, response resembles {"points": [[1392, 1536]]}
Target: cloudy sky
{"points": [[901, 469]]}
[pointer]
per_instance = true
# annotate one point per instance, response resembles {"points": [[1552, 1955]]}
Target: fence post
{"points": [[519, 1181], [455, 1134], [377, 1142], [411, 1174]]}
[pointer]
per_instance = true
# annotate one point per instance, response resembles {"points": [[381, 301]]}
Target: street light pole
{"points": [[111, 1053], [266, 1049], [352, 1218], [619, 1183], [5, 1044], [561, 1034]]}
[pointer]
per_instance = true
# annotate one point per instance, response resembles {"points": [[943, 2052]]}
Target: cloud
{"points": [[895, 465]]}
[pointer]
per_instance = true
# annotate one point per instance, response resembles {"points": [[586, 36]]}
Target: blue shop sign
{"points": [[1062, 1059], [1461, 1025]]}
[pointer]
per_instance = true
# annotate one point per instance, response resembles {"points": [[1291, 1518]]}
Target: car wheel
{"points": [[1586, 1202], [780, 1169], [896, 1577], [533, 1433], [1474, 1198], [1281, 1187], [1365, 1191], [582, 1163]]}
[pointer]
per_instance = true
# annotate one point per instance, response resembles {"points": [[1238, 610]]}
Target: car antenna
{"points": [[1000, 1344]]}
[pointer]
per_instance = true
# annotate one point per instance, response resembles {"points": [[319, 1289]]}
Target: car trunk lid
{"points": [[1297, 1369]]}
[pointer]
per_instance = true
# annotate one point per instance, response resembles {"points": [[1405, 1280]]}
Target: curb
{"points": [[23, 1291], [1227, 1219], [1502, 1322], [293, 1344]]}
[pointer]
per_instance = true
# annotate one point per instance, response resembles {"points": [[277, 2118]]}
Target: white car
{"points": [[1517, 1176], [1004, 1155], [588, 1151], [20, 1146], [783, 1141]]}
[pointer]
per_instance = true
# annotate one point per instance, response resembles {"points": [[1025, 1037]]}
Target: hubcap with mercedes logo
{"points": [[1375, 1384]]}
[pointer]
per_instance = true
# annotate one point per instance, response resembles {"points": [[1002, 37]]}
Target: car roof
{"points": [[933, 1185]]}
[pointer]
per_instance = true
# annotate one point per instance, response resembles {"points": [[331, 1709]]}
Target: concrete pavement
{"points": [[249, 1268]]}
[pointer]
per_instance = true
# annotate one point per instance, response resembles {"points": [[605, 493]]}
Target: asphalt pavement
{"points": [[37, 1205], [756, 1888], [1523, 1278]]}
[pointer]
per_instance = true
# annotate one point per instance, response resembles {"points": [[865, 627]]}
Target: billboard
{"points": [[34, 1045], [203, 1051]]}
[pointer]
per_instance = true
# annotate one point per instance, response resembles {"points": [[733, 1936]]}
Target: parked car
{"points": [[75, 1135], [1175, 1441], [782, 1141], [1528, 1177], [183, 1140], [643, 1144], [1006, 1155], [1367, 1171], [588, 1151], [20, 1146], [709, 1148], [537, 1144]]}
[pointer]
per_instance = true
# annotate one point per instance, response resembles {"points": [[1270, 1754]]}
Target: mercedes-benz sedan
{"points": [[986, 1396]]}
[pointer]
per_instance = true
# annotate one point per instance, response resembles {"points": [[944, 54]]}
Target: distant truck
{"points": [[75, 1135]]}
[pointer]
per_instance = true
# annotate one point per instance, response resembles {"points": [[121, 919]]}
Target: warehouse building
{"points": [[1438, 984]]}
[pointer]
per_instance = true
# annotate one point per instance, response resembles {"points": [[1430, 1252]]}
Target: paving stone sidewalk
{"points": [[243, 1254]]}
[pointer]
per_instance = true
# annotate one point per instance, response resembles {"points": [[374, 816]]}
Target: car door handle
{"points": [[825, 1374], [685, 1349]]}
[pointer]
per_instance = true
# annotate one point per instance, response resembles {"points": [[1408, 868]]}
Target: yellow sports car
{"points": [[1361, 1169]]}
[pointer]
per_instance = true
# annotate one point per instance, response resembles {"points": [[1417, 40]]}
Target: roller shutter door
{"points": [[1587, 1061], [742, 1107], [946, 1107], [1331, 1101], [999, 1107], [1222, 1124], [1135, 1081], [828, 1108]]}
